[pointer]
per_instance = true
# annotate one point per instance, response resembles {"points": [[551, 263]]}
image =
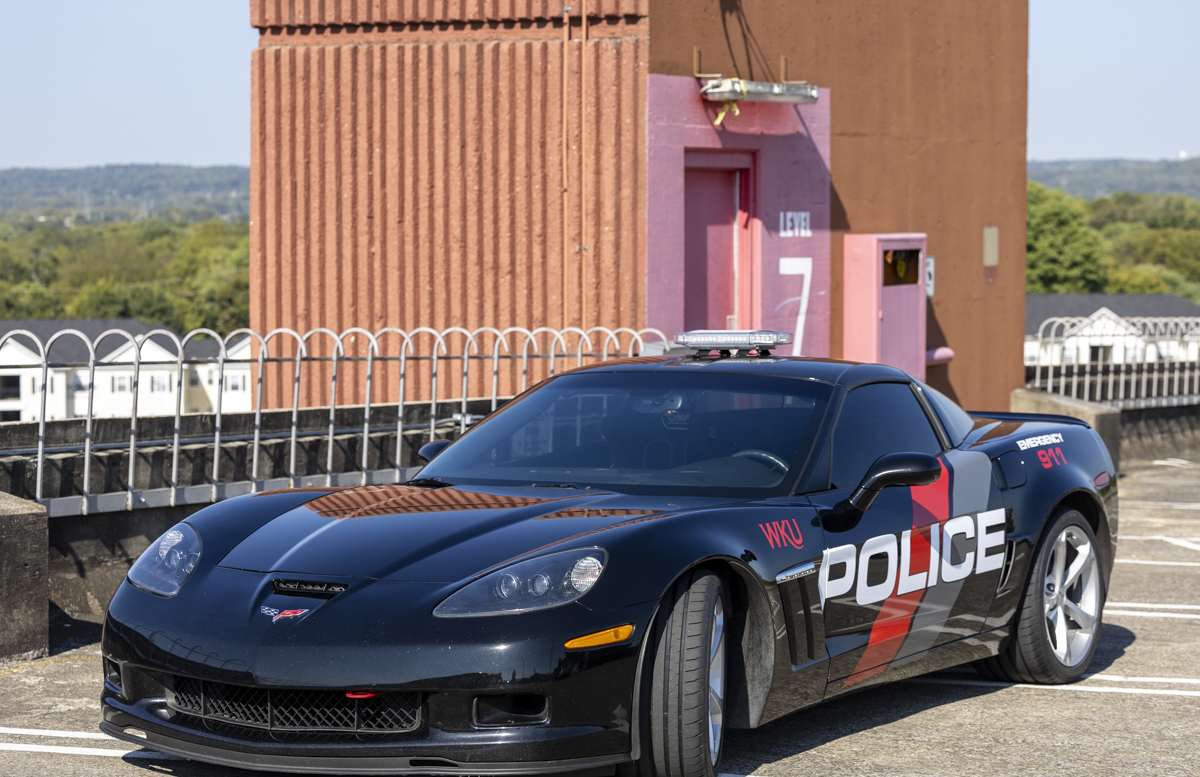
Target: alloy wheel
{"points": [[1071, 596]]}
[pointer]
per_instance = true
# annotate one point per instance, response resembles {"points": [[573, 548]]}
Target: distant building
{"points": [[1111, 334], [68, 372], [577, 165]]}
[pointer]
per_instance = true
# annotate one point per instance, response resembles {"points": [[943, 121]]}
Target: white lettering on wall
{"points": [[795, 223]]}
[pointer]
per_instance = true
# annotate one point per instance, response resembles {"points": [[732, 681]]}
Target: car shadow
{"points": [[1114, 640], [747, 750], [67, 633]]}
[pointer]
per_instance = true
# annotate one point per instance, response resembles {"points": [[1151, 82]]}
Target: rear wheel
{"points": [[683, 698], [1058, 625]]}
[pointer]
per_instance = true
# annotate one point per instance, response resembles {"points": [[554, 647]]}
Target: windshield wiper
{"points": [[428, 483], [558, 485]]}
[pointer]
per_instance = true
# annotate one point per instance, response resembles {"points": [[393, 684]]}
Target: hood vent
{"points": [[317, 589]]}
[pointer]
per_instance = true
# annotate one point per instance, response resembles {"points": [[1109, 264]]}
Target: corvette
{"points": [[613, 569]]}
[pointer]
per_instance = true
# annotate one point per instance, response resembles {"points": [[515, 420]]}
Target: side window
{"points": [[877, 419], [954, 419]]}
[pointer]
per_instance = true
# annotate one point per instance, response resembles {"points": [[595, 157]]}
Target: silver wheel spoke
{"points": [[1061, 637], [1060, 559], [1084, 620], [1084, 558]]}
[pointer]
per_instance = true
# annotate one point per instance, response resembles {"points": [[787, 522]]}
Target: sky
{"points": [[92, 82], [1114, 79], [168, 81]]}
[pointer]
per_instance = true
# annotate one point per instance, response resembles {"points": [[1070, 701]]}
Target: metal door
{"points": [[713, 276]]}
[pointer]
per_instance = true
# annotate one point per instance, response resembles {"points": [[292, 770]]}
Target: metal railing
{"points": [[440, 374], [1129, 362]]}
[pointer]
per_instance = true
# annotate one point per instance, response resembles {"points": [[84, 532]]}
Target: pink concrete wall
{"points": [[882, 324], [789, 145]]}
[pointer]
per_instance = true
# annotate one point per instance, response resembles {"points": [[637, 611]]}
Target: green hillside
{"points": [[1124, 244], [125, 193], [1092, 178]]}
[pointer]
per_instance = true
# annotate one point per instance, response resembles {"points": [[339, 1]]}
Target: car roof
{"points": [[841, 373]]}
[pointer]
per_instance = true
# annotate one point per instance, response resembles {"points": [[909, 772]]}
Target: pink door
{"points": [[710, 247]]}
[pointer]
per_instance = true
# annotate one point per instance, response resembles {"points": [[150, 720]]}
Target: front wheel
{"points": [[685, 683], [1057, 628]]}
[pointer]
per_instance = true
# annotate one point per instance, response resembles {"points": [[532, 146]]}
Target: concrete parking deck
{"points": [[1137, 713]]}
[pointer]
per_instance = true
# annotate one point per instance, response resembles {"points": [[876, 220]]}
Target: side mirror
{"points": [[430, 450], [895, 469]]}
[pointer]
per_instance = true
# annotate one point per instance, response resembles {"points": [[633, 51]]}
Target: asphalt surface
{"points": [[1138, 712]]}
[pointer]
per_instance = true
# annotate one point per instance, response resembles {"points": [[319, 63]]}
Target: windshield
{"points": [[646, 433]]}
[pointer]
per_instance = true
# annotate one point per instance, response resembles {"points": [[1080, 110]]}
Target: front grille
{"points": [[294, 709]]}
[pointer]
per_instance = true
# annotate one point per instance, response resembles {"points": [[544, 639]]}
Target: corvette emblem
{"points": [[276, 614]]}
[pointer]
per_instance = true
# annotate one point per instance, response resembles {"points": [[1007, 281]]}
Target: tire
{"points": [[684, 685], [1057, 627]]}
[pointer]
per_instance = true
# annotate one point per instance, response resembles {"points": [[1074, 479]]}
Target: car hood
{"points": [[431, 535]]}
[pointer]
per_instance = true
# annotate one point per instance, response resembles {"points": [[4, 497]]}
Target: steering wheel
{"points": [[764, 457]]}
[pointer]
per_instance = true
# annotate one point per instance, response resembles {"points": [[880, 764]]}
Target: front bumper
{"points": [[449, 663], [438, 753]]}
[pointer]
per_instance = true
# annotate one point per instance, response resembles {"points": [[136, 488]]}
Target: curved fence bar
{"points": [[207, 417], [1130, 362]]}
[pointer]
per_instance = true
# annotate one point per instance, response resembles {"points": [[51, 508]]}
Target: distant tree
{"points": [[160, 272], [1063, 253], [1173, 249], [213, 265], [1138, 279], [1151, 279], [106, 298], [28, 300], [12, 268], [1156, 211]]}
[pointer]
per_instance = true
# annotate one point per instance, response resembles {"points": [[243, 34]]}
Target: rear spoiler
{"points": [[1062, 419]]}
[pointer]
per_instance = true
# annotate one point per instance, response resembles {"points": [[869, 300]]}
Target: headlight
{"points": [[168, 562], [545, 581]]}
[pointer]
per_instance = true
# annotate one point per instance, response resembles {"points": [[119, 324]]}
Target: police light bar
{"points": [[731, 340]]}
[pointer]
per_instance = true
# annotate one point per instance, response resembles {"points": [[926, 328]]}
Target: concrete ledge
{"points": [[1104, 419], [1150, 433], [24, 582]]}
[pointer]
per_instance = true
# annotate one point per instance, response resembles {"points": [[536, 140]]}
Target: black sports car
{"points": [[615, 567]]}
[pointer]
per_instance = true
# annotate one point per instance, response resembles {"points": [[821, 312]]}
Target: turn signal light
{"points": [[606, 637]]}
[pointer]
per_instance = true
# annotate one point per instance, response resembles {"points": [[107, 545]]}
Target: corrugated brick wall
{"points": [[285, 13], [409, 174]]}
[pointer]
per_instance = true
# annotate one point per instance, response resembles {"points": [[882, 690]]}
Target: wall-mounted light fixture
{"points": [[726, 90]]}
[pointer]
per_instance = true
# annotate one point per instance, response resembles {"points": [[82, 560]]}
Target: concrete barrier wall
{"points": [[1161, 433], [24, 585]]}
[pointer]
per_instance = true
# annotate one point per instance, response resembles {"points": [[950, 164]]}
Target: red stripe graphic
{"points": [[931, 504], [889, 631]]}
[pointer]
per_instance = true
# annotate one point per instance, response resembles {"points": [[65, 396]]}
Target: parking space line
{"points": [[1116, 678], [45, 732], [100, 751], [1177, 541], [1155, 606], [1159, 563], [1138, 504], [1082, 688], [1153, 614]]}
